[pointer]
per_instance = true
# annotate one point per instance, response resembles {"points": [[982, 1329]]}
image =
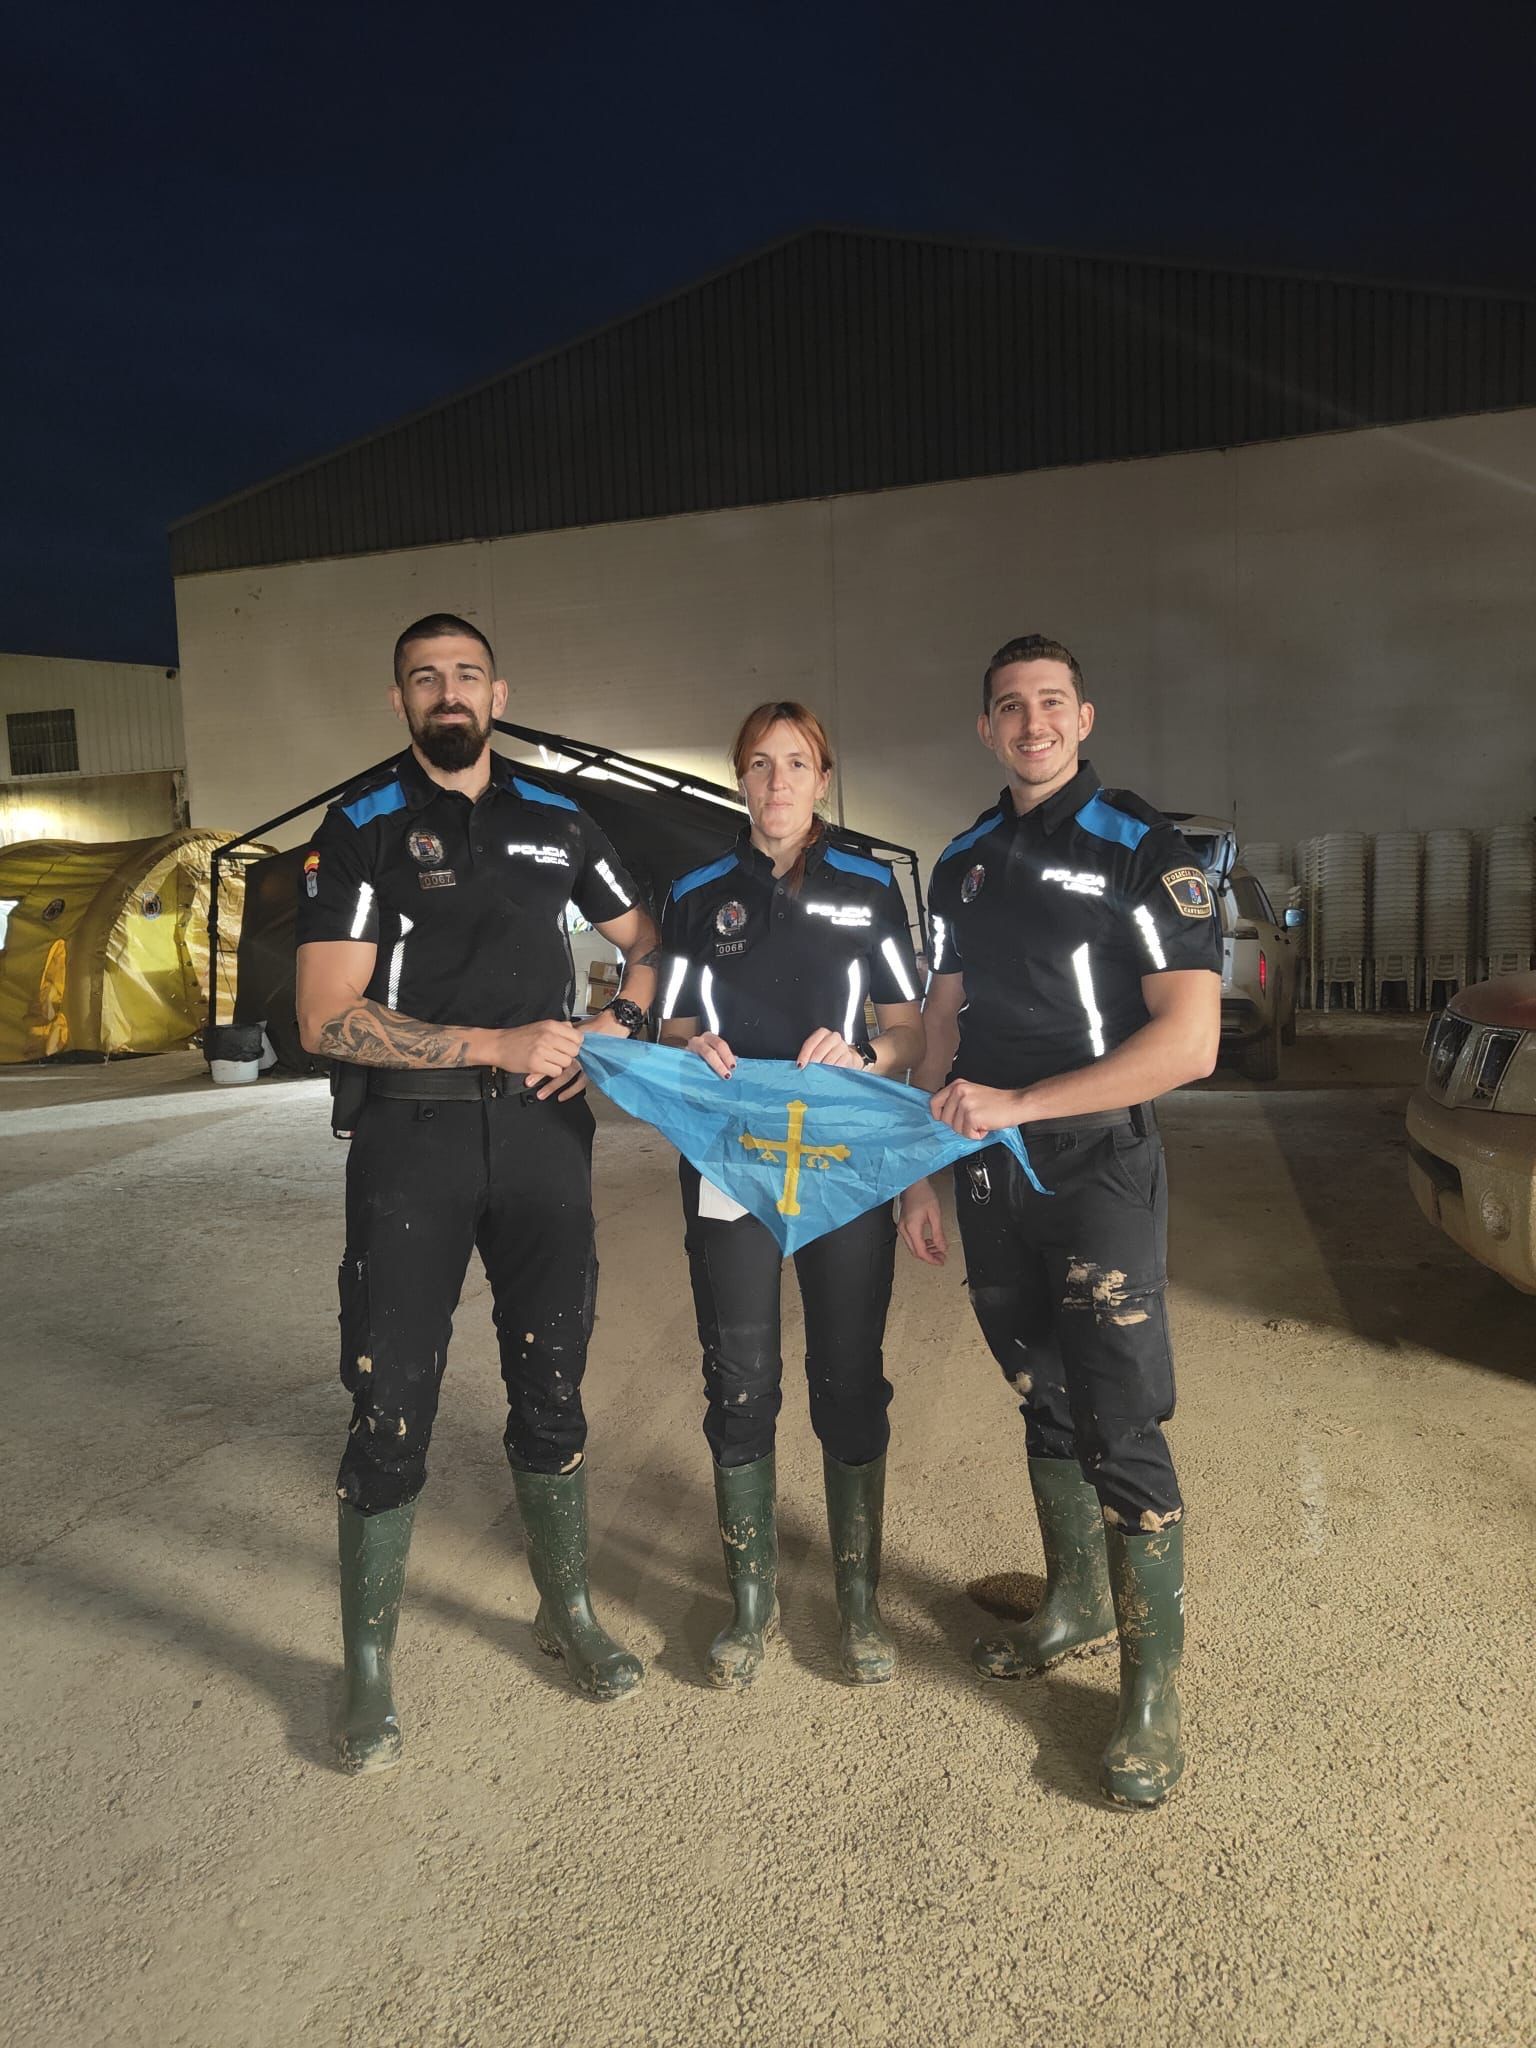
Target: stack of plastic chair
{"points": [[1450, 923], [1309, 870], [1509, 861], [1271, 862], [1342, 948], [1397, 921]]}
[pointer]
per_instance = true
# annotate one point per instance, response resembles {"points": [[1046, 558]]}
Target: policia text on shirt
{"points": [[1076, 976], [433, 958]]}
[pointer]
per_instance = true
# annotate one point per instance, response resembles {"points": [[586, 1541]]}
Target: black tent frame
{"points": [[705, 798]]}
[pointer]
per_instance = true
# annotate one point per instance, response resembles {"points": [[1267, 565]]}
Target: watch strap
{"points": [[624, 1012]]}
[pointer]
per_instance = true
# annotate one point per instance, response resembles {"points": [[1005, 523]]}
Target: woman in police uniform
{"points": [[771, 953]]}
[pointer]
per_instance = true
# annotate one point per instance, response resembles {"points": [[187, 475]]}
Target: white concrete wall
{"points": [[1326, 633], [127, 715]]}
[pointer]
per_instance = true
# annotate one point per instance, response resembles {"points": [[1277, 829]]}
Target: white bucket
{"points": [[231, 1073]]}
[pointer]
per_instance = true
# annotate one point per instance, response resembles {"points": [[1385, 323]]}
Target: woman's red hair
{"points": [[754, 727], [761, 721]]}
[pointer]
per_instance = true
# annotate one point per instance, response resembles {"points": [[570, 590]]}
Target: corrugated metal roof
{"points": [[843, 361]]}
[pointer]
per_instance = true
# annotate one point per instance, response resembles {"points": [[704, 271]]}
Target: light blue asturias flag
{"points": [[805, 1149]]}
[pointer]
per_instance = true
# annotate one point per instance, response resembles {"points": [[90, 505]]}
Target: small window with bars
{"points": [[42, 742]]}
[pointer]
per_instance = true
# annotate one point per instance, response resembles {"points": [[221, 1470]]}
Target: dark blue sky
{"points": [[236, 240]]}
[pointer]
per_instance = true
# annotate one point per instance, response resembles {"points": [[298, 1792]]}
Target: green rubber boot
{"points": [[373, 1550], [1077, 1613], [855, 1519], [1145, 1758], [553, 1506], [744, 1502]]}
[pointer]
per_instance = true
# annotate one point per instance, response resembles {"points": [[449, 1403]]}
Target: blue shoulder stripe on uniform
{"points": [[378, 803], [1105, 822], [532, 794], [856, 864], [697, 877], [970, 838]]}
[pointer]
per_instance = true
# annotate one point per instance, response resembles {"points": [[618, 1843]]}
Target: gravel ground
{"points": [[1350, 1858]]}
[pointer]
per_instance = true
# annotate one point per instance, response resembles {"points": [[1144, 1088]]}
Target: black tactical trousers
{"points": [[845, 1290], [428, 1183], [1069, 1290]]}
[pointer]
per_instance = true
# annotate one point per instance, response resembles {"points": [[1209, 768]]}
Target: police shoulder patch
{"points": [[1190, 891]]}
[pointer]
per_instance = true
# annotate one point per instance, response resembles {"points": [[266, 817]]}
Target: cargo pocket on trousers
{"points": [[356, 1325], [589, 1297]]}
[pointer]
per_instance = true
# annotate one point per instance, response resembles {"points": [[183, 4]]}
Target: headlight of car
{"points": [[1517, 1089]]}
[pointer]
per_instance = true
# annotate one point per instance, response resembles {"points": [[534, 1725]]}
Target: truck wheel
{"points": [[1259, 1059]]}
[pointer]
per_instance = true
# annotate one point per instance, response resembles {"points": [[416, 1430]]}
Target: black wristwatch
{"points": [[624, 1012], [865, 1051]]}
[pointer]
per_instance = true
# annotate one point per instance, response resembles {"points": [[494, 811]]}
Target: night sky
{"points": [[237, 239]]}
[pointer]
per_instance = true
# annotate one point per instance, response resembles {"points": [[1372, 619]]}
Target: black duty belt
{"points": [[436, 1084], [1139, 1117]]}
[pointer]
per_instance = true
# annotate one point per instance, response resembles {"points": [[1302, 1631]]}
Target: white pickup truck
{"points": [[1259, 956]]}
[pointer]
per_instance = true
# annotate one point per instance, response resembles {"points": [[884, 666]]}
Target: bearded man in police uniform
{"points": [[433, 964], [1076, 977]]}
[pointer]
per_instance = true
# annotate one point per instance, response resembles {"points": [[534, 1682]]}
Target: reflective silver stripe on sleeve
{"points": [[706, 987], [364, 905], [396, 962], [612, 880], [674, 985], [897, 966], [1084, 975], [1154, 944], [855, 1005]]}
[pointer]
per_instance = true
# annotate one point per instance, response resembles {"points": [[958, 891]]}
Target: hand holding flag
{"points": [[805, 1149]]}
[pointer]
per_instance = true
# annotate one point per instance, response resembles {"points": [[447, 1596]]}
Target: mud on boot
{"points": [[372, 1551], [553, 1506], [1076, 1616], [866, 1652], [745, 1505], [593, 1661], [1145, 1757]]}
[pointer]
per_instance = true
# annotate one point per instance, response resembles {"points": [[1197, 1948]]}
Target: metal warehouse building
{"points": [[89, 750], [1288, 525]]}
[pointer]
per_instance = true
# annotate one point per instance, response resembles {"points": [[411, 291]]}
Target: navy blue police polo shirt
{"points": [[1053, 916], [465, 901], [764, 965]]}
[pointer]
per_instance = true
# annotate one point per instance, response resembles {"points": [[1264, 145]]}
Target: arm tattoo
{"points": [[651, 959], [371, 1036]]}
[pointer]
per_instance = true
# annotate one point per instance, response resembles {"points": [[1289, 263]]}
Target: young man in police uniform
{"points": [[1076, 967], [433, 961]]}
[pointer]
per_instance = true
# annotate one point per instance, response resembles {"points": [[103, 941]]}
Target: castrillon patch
{"points": [[150, 906], [730, 918], [970, 888], [311, 874], [1190, 891], [425, 848], [438, 878], [53, 910]]}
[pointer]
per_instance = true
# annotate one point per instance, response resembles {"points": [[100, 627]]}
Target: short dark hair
{"points": [[441, 626], [1029, 647]]}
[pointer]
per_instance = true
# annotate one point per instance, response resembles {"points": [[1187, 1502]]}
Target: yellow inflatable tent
{"points": [[104, 949]]}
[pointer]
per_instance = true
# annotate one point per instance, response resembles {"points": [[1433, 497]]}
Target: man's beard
{"points": [[452, 747]]}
